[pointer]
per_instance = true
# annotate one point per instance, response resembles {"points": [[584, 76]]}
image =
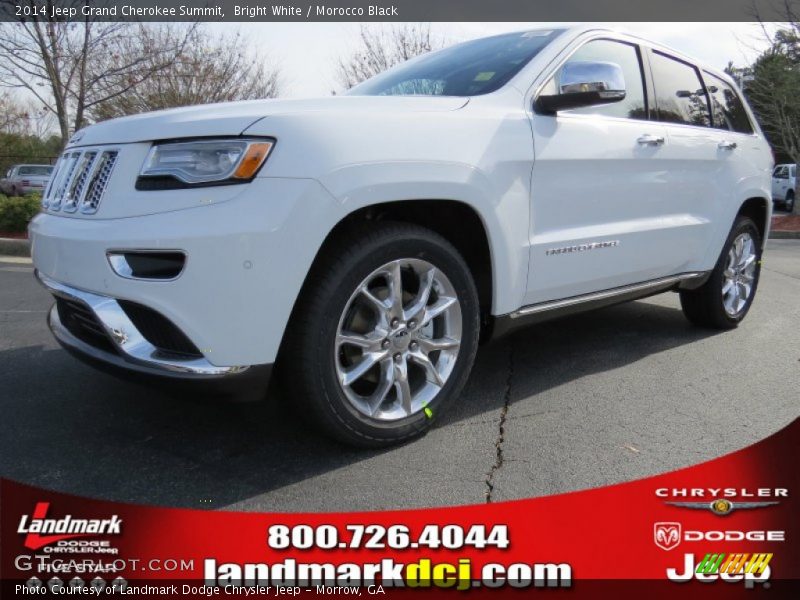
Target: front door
{"points": [[601, 214]]}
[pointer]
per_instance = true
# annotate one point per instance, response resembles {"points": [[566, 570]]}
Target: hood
{"points": [[233, 118]]}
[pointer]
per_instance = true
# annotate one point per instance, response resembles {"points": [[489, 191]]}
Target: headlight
{"points": [[202, 162]]}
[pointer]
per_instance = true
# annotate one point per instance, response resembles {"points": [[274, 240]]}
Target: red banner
{"points": [[722, 528]]}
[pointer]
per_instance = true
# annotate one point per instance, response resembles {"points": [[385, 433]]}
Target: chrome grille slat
{"points": [[99, 182], [80, 180], [70, 162], [51, 184], [78, 185]]}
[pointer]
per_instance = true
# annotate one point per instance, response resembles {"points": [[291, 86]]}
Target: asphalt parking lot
{"points": [[599, 398]]}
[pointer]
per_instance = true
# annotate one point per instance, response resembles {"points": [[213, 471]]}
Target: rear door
{"points": [[698, 167]]}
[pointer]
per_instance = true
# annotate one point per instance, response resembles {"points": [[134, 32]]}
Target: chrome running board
{"points": [[634, 290]]}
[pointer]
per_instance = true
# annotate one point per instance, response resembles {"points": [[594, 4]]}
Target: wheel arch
{"points": [[456, 221], [758, 208]]}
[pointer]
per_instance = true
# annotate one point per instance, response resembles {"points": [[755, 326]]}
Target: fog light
{"points": [[156, 265]]}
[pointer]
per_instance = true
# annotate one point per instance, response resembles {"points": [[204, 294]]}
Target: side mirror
{"points": [[584, 83]]}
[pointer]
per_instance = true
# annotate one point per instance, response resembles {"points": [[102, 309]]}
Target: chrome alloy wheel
{"points": [[398, 339], [739, 274]]}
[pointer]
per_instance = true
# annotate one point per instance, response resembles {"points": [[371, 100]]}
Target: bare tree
{"points": [[73, 68], [24, 119], [381, 49], [210, 69], [12, 115]]}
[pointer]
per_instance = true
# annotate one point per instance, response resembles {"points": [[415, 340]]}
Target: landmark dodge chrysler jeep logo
{"points": [[62, 529]]}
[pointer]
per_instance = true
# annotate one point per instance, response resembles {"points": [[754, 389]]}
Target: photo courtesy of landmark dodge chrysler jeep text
{"points": [[362, 244]]}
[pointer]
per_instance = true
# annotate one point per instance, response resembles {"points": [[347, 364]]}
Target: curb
{"points": [[13, 247], [784, 235]]}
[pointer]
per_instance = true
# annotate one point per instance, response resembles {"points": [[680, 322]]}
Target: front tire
{"points": [[383, 336], [724, 300], [789, 202]]}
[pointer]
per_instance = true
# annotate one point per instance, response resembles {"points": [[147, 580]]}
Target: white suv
{"points": [[364, 243]]}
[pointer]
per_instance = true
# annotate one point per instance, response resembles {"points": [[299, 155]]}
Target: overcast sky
{"points": [[307, 52]]}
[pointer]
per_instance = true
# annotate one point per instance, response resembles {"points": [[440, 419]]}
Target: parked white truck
{"points": [[364, 243]]}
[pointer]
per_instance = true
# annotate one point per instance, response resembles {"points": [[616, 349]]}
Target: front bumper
{"points": [[133, 350], [129, 355], [246, 260]]}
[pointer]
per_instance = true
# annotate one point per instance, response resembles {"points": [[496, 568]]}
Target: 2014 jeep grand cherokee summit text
{"points": [[363, 243]]}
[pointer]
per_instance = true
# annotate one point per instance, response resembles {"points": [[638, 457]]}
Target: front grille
{"points": [[160, 331], [81, 322], [79, 180]]}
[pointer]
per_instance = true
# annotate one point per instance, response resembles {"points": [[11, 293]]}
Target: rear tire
{"points": [[359, 359], [725, 298], [789, 202]]}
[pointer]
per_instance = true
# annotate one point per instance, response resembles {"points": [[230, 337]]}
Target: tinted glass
{"points": [[781, 172], [627, 57], [468, 69], [34, 170], [680, 96], [727, 107]]}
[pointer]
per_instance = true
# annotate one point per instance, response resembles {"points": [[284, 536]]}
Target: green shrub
{"points": [[17, 211]]}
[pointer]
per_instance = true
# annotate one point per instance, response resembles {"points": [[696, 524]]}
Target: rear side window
{"points": [[680, 94], [727, 106]]}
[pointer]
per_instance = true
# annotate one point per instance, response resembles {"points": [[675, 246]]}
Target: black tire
{"points": [[789, 202], [704, 306], [307, 366]]}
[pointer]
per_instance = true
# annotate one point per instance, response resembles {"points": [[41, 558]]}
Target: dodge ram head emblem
{"points": [[667, 535]]}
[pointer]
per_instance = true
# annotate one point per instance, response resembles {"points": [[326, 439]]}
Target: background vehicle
{"points": [[784, 184], [362, 243], [24, 179]]}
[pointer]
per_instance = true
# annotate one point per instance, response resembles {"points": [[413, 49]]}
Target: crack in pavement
{"points": [[501, 432]]}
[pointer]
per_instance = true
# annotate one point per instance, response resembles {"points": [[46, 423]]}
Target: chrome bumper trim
{"points": [[134, 350]]}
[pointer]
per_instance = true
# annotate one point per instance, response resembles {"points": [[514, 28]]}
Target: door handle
{"points": [[651, 140], [726, 145]]}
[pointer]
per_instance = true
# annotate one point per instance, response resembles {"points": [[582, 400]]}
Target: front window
{"points": [[626, 56], [468, 69]]}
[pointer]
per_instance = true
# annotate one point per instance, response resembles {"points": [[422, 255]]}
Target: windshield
{"points": [[34, 170], [468, 69]]}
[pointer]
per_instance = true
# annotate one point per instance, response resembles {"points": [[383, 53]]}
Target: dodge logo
{"points": [[667, 535]]}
